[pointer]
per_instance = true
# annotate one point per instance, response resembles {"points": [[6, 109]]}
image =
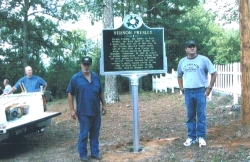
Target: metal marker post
{"points": [[134, 83], [133, 34]]}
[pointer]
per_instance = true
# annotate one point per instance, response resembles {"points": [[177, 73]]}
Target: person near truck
{"points": [[192, 79], [30, 83], [7, 86], [86, 87]]}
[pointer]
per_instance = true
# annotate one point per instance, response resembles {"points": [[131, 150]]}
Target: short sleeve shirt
{"points": [[194, 71], [87, 93], [7, 88], [31, 84]]}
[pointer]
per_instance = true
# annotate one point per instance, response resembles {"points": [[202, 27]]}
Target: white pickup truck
{"points": [[23, 113]]}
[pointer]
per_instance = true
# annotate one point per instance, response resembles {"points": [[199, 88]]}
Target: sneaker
{"points": [[189, 142], [41, 130], [202, 142]]}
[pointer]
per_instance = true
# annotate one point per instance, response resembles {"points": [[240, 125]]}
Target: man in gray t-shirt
{"points": [[192, 79]]}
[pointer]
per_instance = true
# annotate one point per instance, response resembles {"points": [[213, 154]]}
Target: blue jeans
{"points": [[196, 104], [89, 129]]}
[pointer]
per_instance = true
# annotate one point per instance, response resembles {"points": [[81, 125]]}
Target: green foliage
{"points": [[226, 11], [225, 48], [95, 8], [28, 30], [30, 33], [220, 45], [71, 46], [59, 72]]}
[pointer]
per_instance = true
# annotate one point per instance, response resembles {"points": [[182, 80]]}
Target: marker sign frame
{"points": [[133, 48]]}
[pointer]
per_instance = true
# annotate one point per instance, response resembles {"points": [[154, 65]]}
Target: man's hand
{"points": [[73, 114], [208, 91], [182, 90], [104, 111]]}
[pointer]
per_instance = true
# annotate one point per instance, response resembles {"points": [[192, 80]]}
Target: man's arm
{"points": [[42, 83], [12, 90], [211, 84], [104, 111], [44, 88], [180, 82], [71, 106], [213, 79]]}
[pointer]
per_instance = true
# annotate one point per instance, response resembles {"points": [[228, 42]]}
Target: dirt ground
{"points": [[162, 132]]}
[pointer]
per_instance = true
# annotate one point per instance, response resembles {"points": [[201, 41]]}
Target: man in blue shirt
{"points": [[29, 83], [86, 87]]}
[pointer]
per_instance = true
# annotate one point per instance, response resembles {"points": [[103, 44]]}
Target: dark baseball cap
{"points": [[188, 43], [87, 60]]}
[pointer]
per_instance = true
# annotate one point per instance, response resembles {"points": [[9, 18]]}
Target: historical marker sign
{"points": [[133, 48]]}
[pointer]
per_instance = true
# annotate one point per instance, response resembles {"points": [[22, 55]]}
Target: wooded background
{"points": [[32, 34]]}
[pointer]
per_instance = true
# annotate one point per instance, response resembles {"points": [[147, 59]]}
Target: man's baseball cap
{"points": [[87, 60], [188, 43]]}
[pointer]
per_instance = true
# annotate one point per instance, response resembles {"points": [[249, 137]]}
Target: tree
{"points": [[45, 38], [65, 59], [157, 14], [219, 44], [28, 28], [24, 25], [70, 47], [111, 91], [245, 59], [226, 11]]}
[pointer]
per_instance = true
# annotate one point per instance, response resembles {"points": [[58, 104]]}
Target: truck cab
{"points": [[22, 114]]}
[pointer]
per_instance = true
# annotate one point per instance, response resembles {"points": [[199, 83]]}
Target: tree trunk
{"points": [[244, 9], [111, 90], [25, 35]]}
